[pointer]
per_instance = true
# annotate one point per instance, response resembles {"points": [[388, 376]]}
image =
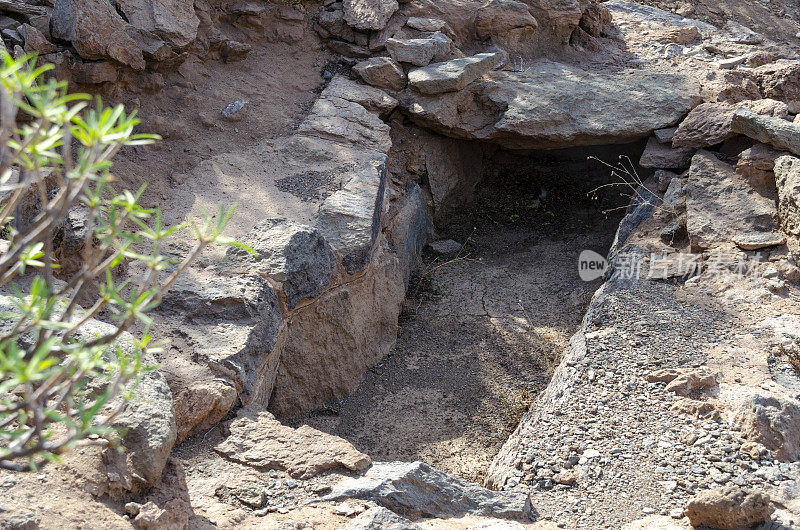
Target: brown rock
{"points": [[382, 72], [173, 516], [565, 477], [710, 123], [677, 35], [773, 422], [692, 382], [262, 441], [758, 163], [781, 81], [35, 41], [663, 156], [595, 18], [232, 51], [695, 408], [505, 21], [581, 39], [202, 405], [663, 376], [752, 449], [787, 179], [729, 508], [96, 73]]}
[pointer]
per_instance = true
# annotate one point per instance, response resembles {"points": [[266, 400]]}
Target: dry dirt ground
{"points": [[481, 332]]}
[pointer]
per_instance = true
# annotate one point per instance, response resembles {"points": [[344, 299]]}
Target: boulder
{"points": [[658, 155], [787, 179], [293, 254], [96, 31], [721, 203], [372, 99], [711, 123], [369, 14], [779, 133], [505, 22], [550, 105], [757, 164], [772, 421], [379, 518], [263, 442], [202, 405], [453, 75], [729, 508], [595, 18], [415, 489], [382, 72], [419, 52], [173, 21], [344, 121]]}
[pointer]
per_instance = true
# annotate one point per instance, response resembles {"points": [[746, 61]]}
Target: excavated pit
{"points": [[482, 331]]}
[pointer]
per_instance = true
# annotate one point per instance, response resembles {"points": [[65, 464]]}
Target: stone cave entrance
{"points": [[484, 327]]}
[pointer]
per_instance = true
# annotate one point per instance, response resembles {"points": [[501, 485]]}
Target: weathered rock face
{"points": [[772, 421], [263, 442], [416, 489], [369, 14], [174, 22], [505, 22], [552, 105], [345, 121], [382, 72], [711, 123], [96, 30], [721, 203], [779, 133], [787, 179], [757, 164], [420, 52], [372, 99], [453, 75], [333, 341], [729, 508]]}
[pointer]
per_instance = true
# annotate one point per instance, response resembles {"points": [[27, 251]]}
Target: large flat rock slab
{"points": [[453, 75], [552, 105]]}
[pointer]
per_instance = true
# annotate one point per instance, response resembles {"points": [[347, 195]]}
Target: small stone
{"points": [[444, 248], [231, 112], [757, 240]]}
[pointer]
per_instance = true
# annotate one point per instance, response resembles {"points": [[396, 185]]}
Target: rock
{"points": [[429, 25], [677, 35], [665, 135], [372, 99], [35, 41], [550, 105], [348, 49], [350, 218], [505, 22], [595, 18], [334, 340], [96, 73], [419, 52], [382, 72], [379, 518], [172, 517], [779, 133], [582, 40], [231, 111], [711, 123], [663, 156], [692, 382], [232, 51], [377, 40], [444, 248], [695, 408], [772, 421], [14, 519], [729, 508], [173, 21], [781, 81], [787, 179], [757, 240], [263, 442], [331, 20], [296, 255], [721, 203], [757, 164], [202, 405], [96, 31], [654, 522], [741, 34], [369, 14], [664, 375], [452, 75], [343, 121], [410, 229], [415, 489], [564, 477]]}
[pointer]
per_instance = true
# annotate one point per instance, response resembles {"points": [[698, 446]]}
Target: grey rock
{"points": [[787, 179], [658, 155], [331, 19], [13, 519], [757, 240], [369, 14], [428, 25], [173, 21], [712, 123], [350, 218], [445, 248], [644, 204], [772, 421], [552, 105], [415, 489], [382, 72], [720, 203], [453, 75], [343, 121], [296, 255], [779, 133], [231, 111], [421, 51], [741, 34], [371, 98], [377, 40], [379, 518], [409, 229], [665, 135], [653, 14]]}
